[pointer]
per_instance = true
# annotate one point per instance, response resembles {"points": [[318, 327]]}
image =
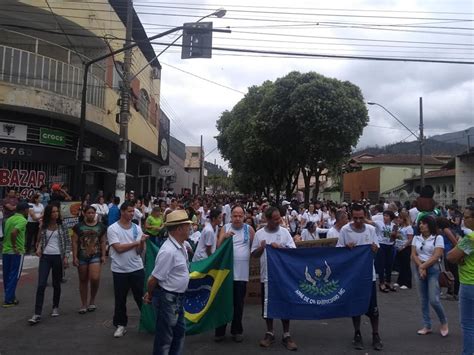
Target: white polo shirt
{"points": [[425, 247], [171, 266]]}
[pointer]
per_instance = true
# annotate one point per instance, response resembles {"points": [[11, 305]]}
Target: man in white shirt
{"points": [[226, 212], [208, 241], [167, 285], [378, 217], [126, 241], [413, 212], [341, 221], [278, 237], [242, 236], [353, 234]]}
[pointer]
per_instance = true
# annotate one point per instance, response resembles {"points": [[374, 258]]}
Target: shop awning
{"points": [[93, 168]]}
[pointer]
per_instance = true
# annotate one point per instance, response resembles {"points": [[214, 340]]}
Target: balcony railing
{"points": [[22, 67]]}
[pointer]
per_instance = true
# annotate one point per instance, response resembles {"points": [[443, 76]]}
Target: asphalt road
{"points": [[92, 333]]}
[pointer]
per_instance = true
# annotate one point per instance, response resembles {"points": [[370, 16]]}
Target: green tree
{"points": [[301, 122]]}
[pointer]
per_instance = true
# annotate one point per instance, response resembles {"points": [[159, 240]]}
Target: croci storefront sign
{"points": [[26, 180]]}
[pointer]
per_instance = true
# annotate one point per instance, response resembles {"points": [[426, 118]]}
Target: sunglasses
{"points": [[358, 218]]}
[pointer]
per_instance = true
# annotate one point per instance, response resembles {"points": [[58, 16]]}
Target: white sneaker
{"points": [[55, 312], [396, 285], [403, 287], [120, 332], [35, 319]]}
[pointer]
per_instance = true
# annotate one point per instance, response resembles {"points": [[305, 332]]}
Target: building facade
{"points": [[41, 74], [194, 165], [376, 176]]}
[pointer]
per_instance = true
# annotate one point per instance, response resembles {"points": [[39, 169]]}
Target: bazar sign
{"points": [[22, 178], [52, 137]]}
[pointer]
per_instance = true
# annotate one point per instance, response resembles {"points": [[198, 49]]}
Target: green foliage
{"points": [[294, 123], [326, 289]]}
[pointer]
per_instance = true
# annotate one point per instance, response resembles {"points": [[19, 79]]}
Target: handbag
{"points": [[446, 278]]}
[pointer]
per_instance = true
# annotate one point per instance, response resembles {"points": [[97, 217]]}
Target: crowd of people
{"points": [[418, 240]]}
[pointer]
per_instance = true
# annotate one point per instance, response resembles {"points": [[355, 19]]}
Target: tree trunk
{"points": [[316, 184], [307, 180], [291, 183]]}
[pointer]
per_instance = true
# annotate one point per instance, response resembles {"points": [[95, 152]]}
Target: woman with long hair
{"points": [[403, 246], [53, 245], [88, 250], [427, 248], [35, 215]]}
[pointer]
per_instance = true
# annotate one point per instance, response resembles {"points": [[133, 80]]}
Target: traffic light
{"points": [[197, 40]]}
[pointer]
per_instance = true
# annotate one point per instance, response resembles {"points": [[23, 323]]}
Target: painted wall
{"points": [[464, 178], [359, 183], [183, 178]]}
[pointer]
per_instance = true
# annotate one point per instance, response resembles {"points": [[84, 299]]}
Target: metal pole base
{"points": [[120, 186]]}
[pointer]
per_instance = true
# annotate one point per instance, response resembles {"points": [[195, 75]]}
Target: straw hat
{"points": [[177, 217]]}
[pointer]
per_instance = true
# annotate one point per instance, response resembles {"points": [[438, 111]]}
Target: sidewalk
{"points": [[91, 333]]}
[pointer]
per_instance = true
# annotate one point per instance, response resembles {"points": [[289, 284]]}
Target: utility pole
{"points": [[422, 148], [201, 163], [124, 115]]}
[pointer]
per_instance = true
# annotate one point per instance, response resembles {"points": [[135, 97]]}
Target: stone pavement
{"points": [[92, 333]]}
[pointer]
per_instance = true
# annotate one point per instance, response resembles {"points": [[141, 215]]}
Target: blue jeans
{"points": [[428, 289], [466, 311], [47, 263], [12, 265], [170, 328]]}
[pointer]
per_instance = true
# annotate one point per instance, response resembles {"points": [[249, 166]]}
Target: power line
{"points": [[311, 55], [351, 39], [333, 56], [205, 79], [305, 8], [273, 13]]}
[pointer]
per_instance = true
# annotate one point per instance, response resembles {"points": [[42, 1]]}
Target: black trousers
{"points": [[403, 260], [32, 229], [240, 289], [123, 282], [47, 263]]}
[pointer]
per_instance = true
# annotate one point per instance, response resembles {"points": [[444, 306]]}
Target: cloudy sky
{"points": [[428, 29]]}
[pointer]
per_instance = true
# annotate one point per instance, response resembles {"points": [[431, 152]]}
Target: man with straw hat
{"points": [[168, 283]]}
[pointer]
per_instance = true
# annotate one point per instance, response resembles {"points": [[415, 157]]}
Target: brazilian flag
{"points": [[209, 298], [147, 316]]}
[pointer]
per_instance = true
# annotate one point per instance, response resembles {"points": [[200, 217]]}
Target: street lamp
{"points": [[82, 121], [419, 137]]}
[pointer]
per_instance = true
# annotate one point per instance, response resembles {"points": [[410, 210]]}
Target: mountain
{"points": [[443, 144], [459, 137]]}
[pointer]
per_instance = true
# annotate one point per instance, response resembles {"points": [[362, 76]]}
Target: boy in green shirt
{"points": [[13, 252]]}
